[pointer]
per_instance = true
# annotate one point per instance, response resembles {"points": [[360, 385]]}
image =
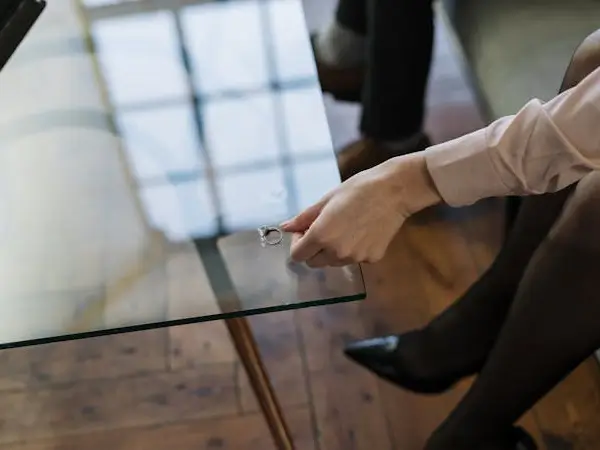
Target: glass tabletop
{"points": [[142, 145]]}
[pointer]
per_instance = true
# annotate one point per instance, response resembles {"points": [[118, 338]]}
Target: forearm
{"points": [[415, 186], [543, 148]]}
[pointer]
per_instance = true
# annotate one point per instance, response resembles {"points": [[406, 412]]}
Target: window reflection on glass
{"points": [[161, 141], [306, 122], [251, 199], [226, 46], [242, 130], [260, 117], [290, 41], [98, 3], [312, 179], [183, 211], [139, 58]]}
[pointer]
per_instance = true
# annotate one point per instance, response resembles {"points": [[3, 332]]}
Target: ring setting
{"points": [[270, 235]]}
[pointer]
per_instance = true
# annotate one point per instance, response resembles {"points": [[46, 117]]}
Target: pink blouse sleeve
{"points": [[542, 148]]}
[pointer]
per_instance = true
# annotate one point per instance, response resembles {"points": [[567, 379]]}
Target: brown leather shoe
{"points": [[367, 153], [343, 84]]}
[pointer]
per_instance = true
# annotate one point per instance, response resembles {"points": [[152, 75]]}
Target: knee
{"points": [[579, 222], [585, 60]]}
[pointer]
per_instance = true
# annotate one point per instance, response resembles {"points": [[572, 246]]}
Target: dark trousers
{"points": [[399, 50]]}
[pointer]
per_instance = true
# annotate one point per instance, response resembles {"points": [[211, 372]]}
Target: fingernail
{"points": [[285, 224]]}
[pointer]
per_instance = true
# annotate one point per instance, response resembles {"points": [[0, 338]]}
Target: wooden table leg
{"points": [[246, 347], [243, 340]]}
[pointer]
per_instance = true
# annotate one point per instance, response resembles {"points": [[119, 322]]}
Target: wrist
{"points": [[415, 185]]}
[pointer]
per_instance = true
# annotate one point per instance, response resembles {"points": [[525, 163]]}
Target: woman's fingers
{"points": [[304, 247], [305, 219]]}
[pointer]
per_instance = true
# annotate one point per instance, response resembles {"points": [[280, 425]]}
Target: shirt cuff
{"points": [[463, 171]]}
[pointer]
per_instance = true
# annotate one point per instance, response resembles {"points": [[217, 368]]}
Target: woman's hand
{"points": [[357, 221]]}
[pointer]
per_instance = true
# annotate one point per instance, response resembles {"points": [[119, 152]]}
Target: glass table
{"points": [[142, 145]]}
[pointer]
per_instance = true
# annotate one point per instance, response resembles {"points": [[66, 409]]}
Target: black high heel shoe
{"points": [[381, 356]]}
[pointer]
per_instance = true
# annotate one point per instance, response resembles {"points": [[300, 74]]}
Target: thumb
{"points": [[304, 220]]}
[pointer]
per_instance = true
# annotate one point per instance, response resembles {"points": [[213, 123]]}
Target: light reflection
{"points": [[253, 198], [241, 130], [306, 122], [139, 58], [161, 141], [181, 211], [259, 111], [96, 3], [220, 129], [226, 46], [293, 56], [320, 172]]}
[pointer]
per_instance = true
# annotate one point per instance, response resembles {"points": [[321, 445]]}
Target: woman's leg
{"points": [[399, 48], [341, 51], [399, 52], [456, 343], [342, 43], [552, 326], [585, 61], [352, 14]]}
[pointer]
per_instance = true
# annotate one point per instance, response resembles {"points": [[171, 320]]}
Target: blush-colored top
{"points": [[543, 148]]}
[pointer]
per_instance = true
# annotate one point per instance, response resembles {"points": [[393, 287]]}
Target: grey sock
{"points": [[340, 47]]}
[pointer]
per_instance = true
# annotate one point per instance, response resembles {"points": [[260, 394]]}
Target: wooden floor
{"points": [[183, 388]]}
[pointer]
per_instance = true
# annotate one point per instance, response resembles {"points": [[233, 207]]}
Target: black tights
{"points": [[534, 315], [550, 326]]}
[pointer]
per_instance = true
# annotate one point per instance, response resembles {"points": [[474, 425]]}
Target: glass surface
{"points": [[133, 178]]}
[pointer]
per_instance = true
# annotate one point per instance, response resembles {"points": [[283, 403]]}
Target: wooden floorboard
{"points": [[569, 416], [81, 407], [244, 432], [278, 339]]}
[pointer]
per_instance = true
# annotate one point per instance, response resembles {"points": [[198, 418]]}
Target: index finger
{"points": [[303, 247]]}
